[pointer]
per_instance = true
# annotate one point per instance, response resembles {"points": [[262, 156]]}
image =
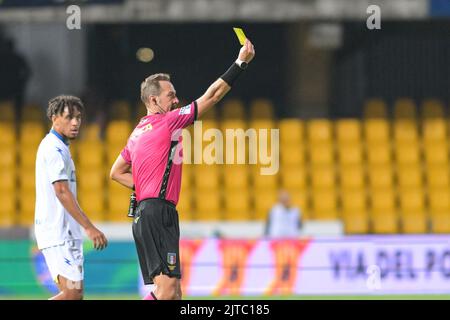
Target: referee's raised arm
{"points": [[221, 86]]}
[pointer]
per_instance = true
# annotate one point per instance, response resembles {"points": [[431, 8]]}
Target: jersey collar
{"points": [[60, 137]]}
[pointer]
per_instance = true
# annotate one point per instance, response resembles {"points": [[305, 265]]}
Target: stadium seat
{"points": [[410, 176], [186, 176], [211, 114], [439, 200], [117, 132], [7, 158], [438, 176], [237, 205], [261, 109], [26, 179], [117, 204], [8, 136], [404, 108], [384, 215], [323, 177], [93, 203], [291, 131], [32, 113], [91, 132], [8, 208], [434, 130], [405, 131], [321, 154], [7, 180], [407, 154], [27, 156], [236, 176], [120, 110], [436, 154], [379, 154], [300, 198], [293, 177], [261, 181], [90, 154], [319, 131], [376, 131], [380, 176], [354, 211], [184, 206], [206, 176], [208, 205], [263, 201], [324, 204], [432, 108], [413, 216], [233, 109], [141, 111], [231, 146], [90, 179], [375, 108], [352, 177], [7, 113], [112, 152], [31, 133], [350, 154], [292, 154], [26, 201], [348, 131]]}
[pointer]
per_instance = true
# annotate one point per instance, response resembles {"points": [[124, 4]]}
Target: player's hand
{"points": [[247, 51], [97, 237]]}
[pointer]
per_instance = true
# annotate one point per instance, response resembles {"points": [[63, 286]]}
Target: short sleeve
{"points": [[182, 117], [126, 154], [55, 165]]}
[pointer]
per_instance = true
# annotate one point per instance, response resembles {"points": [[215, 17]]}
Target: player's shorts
{"points": [[156, 232], [65, 260]]}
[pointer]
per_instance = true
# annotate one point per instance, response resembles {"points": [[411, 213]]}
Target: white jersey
{"points": [[283, 222], [53, 224]]}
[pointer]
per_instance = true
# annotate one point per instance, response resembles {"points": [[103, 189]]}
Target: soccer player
{"points": [[147, 165], [58, 216]]}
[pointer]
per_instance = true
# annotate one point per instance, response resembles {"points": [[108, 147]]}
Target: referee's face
{"points": [[66, 124], [168, 99]]}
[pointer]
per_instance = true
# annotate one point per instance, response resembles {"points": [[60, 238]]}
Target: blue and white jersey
{"points": [[53, 224]]}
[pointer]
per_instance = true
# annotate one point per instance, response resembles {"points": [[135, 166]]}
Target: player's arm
{"points": [[67, 199], [221, 86], [121, 172]]}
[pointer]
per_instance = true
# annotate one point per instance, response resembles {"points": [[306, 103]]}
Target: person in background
{"points": [[283, 220]]}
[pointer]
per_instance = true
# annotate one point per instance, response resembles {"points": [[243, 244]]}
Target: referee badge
{"points": [[171, 260]]}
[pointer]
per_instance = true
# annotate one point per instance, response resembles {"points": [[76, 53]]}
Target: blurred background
{"points": [[362, 116]]}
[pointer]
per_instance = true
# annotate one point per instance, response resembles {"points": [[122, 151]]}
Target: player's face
{"points": [[168, 98], [66, 125]]}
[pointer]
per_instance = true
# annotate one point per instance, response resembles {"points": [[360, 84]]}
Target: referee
{"points": [[146, 165]]}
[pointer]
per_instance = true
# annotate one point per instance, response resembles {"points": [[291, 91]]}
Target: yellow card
{"points": [[240, 34]]}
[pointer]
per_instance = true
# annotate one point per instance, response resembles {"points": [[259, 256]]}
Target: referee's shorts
{"points": [[156, 232]]}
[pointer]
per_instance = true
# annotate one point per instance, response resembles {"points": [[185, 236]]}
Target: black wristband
{"points": [[231, 74]]}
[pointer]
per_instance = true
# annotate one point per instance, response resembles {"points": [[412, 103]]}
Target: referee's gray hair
{"points": [[57, 105], [151, 87]]}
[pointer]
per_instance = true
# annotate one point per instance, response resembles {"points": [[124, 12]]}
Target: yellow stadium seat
{"points": [[261, 109], [93, 204], [233, 109], [234, 141], [383, 211], [236, 176], [379, 154], [31, 133], [375, 108], [405, 131], [352, 177], [27, 200], [439, 200], [354, 200], [32, 113], [7, 113], [380, 176], [351, 154], [438, 176], [120, 110], [348, 131], [27, 155], [261, 181], [323, 177], [436, 154], [376, 131], [141, 111], [211, 114], [7, 180], [324, 204], [404, 108], [413, 215], [117, 204], [410, 176], [27, 179], [291, 131], [117, 132], [237, 205], [186, 176], [354, 211], [321, 154], [300, 199], [293, 177], [8, 134], [90, 180], [90, 154], [292, 154], [264, 200], [208, 205], [184, 206], [206, 176], [407, 154], [91, 132], [319, 131], [112, 152], [8, 208], [432, 108], [434, 130]]}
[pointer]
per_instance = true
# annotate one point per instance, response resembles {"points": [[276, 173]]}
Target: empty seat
{"points": [[292, 154], [436, 154], [206, 176], [324, 204], [439, 199], [7, 113], [351, 154], [233, 109], [438, 176], [322, 177], [90, 179], [321, 154], [93, 203], [264, 181], [184, 206], [375, 108], [208, 205], [117, 132], [432, 108], [90, 154], [379, 154], [380, 176], [235, 176], [261, 109], [434, 130], [404, 108], [352, 177], [237, 205], [293, 177], [413, 215], [8, 134], [26, 201], [8, 209], [32, 112], [407, 154], [263, 201], [31, 133], [405, 132], [320, 131], [376, 131], [410, 176], [291, 131], [383, 211], [348, 131], [118, 202], [354, 211]]}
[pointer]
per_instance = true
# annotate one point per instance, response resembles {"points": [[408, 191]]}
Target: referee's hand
{"points": [[247, 52], [97, 237]]}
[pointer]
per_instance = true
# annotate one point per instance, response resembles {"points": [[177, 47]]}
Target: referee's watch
{"points": [[242, 64]]}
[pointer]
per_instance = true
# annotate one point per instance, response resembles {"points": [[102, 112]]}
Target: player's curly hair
{"points": [[151, 87], [57, 105]]}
